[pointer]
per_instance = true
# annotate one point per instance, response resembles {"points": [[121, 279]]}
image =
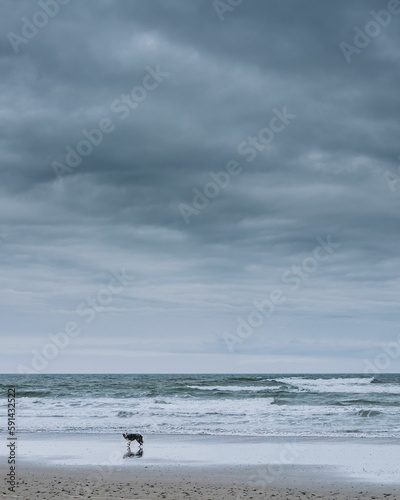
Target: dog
{"points": [[133, 437]]}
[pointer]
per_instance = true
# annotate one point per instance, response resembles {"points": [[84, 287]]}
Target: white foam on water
{"points": [[347, 385], [305, 406], [233, 388], [224, 416]]}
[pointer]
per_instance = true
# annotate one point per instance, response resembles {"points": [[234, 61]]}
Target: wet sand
{"points": [[203, 467]]}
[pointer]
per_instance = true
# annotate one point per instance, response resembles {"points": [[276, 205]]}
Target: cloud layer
{"points": [[324, 174]]}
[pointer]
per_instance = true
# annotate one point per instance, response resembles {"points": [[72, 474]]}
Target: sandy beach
{"points": [[195, 483], [203, 467]]}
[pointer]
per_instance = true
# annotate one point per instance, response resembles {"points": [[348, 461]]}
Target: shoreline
{"points": [[80, 450], [207, 467], [178, 467]]}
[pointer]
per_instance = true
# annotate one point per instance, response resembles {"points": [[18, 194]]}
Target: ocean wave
{"points": [[126, 414], [235, 388], [369, 413], [248, 378], [265, 405], [32, 393], [340, 385], [352, 402], [279, 401], [386, 379]]}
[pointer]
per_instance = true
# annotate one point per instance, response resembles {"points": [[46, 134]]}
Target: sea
{"points": [[362, 406]]}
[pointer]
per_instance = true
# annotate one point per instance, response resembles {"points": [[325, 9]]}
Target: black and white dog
{"points": [[133, 437]]}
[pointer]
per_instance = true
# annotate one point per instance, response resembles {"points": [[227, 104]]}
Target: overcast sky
{"points": [[302, 120]]}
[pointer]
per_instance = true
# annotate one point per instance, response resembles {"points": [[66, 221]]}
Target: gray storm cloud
{"points": [[115, 115]]}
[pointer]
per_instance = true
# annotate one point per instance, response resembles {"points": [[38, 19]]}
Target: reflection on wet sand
{"points": [[130, 454]]}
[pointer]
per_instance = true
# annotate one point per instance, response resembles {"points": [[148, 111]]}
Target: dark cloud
{"points": [[323, 174]]}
